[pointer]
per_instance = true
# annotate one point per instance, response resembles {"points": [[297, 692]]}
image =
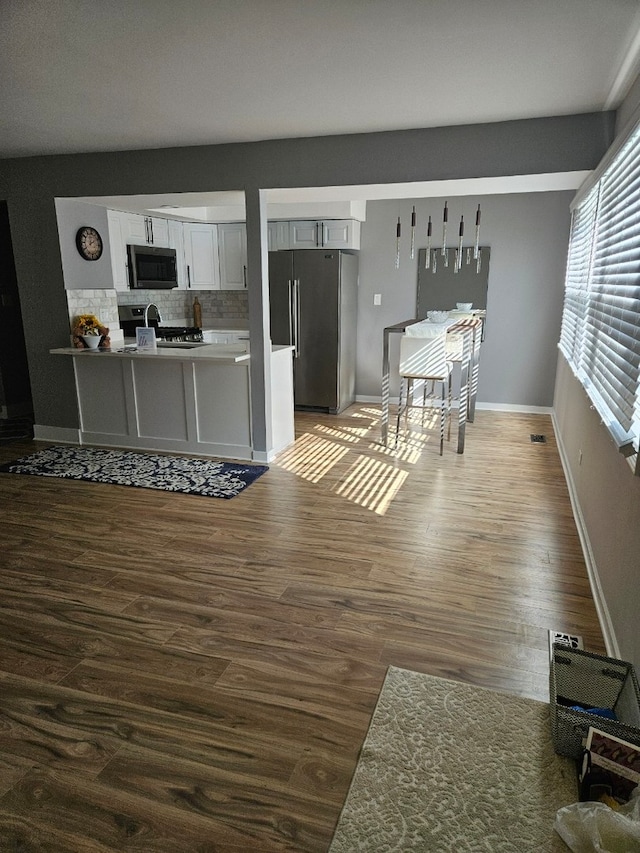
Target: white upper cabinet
{"points": [[176, 241], [324, 234], [201, 256], [340, 234], [118, 245], [232, 244], [159, 230], [278, 234], [145, 230]]}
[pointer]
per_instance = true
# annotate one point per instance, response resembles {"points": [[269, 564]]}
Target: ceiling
{"points": [[81, 75]]}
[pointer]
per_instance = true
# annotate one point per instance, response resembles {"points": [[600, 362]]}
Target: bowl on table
{"points": [[437, 316], [464, 306]]}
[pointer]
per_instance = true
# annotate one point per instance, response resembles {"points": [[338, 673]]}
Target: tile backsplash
{"points": [[102, 303], [218, 306]]}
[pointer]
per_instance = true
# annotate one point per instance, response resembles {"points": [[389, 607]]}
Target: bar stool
{"points": [[425, 359]]}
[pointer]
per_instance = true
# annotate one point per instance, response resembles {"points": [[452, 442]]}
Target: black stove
{"points": [[179, 333], [132, 316]]}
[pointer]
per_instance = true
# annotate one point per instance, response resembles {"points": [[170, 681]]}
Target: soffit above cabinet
{"points": [[228, 207]]}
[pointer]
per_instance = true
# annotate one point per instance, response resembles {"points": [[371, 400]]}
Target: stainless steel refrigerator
{"points": [[313, 297]]}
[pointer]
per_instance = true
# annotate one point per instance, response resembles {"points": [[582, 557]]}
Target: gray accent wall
{"points": [[528, 235]]}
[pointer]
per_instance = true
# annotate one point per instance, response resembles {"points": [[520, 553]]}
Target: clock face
{"points": [[89, 243]]}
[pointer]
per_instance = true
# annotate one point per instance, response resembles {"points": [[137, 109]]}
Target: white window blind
{"points": [[600, 335], [577, 277]]}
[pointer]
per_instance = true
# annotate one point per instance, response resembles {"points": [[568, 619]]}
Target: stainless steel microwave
{"points": [[152, 268]]}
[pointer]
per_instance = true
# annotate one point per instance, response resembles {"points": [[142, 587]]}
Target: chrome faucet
{"points": [[146, 314]]}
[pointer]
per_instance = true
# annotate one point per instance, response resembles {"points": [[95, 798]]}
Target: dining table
{"points": [[464, 332]]}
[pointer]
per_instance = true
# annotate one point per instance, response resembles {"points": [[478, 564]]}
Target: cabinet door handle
{"points": [[244, 274], [151, 229], [317, 233], [146, 229], [322, 233], [188, 276]]}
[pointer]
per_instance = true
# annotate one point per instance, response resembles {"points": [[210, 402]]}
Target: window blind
{"points": [[600, 333], [577, 277]]}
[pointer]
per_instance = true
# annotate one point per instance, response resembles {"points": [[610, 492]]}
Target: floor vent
{"points": [[538, 439], [573, 641]]}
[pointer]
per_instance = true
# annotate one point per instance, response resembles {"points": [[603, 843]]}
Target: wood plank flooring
{"points": [[181, 673]]}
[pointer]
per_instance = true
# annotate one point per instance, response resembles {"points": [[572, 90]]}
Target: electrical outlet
{"points": [[377, 299]]}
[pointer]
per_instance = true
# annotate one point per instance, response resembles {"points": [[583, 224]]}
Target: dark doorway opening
{"points": [[16, 407]]}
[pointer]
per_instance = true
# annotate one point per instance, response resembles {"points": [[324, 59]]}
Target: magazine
{"points": [[612, 763]]}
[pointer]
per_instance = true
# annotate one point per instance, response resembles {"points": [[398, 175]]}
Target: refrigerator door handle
{"points": [[290, 303], [296, 316]]}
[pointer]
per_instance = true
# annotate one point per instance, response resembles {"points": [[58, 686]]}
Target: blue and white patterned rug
{"points": [[206, 477]]}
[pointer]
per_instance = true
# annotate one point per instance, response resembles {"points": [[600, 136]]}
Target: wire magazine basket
{"points": [[587, 680]]}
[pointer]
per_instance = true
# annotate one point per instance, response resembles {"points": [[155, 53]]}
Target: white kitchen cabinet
{"points": [[278, 235], [224, 336], [145, 230], [232, 245], [117, 243], [324, 234], [159, 231], [201, 256], [176, 241]]}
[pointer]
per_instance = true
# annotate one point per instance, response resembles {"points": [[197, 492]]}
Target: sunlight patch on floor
{"points": [[373, 414], [409, 452], [345, 433], [371, 483], [311, 457]]}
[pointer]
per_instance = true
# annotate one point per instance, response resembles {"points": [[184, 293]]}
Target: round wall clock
{"points": [[89, 243]]}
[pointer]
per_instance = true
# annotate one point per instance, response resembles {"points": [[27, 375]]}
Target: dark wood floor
{"points": [[189, 674]]}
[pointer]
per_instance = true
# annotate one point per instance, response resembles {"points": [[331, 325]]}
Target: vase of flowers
{"points": [[89, 332]]}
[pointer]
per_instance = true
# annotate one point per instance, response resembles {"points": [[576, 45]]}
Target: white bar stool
{"points": [[425, 359]]}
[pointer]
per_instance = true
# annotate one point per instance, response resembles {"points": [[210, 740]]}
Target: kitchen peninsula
{"points": [[182, 398]]}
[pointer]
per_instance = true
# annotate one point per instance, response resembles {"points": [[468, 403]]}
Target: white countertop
{"points": [[229, 353]]}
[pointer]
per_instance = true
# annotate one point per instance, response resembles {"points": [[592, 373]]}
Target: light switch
{"points": [[377, 299]]}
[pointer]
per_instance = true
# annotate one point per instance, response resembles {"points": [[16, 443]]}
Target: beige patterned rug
{"points": [[450, 767]]}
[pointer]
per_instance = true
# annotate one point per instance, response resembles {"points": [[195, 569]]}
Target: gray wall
{"points": [[528, 235], [563, 143], [608, 496], [606, 493], [78, 273]]}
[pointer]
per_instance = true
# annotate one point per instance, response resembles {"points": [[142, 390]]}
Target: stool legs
{"points": [[404, 404]]}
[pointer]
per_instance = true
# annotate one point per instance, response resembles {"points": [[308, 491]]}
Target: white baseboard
{"points": [[62, 434], [604, 617], [513, 407], [489, 407]]}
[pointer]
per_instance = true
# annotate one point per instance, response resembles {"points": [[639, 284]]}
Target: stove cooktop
{"points": [[179, 333], [164, 333]]}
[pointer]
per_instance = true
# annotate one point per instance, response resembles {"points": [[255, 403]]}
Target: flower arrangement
{"points": [[88, 324]]}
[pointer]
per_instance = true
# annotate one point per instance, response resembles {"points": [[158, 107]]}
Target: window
{"points": [[600, 336]]}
